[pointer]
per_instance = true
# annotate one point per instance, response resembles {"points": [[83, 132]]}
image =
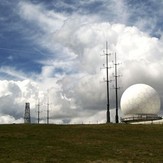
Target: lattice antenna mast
{"points": [[107, 84], [27, 117], [116, 89]]}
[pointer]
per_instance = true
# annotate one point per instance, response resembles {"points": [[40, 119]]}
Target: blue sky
{"points": [[54, 44], [18, 49]]}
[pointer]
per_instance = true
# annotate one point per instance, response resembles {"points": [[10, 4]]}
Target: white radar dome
{"points": [[140, 99]]}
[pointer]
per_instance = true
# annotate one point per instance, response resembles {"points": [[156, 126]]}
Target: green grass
{"points": [[81, 143]]}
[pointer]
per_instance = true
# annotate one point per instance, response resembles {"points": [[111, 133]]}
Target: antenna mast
{"points": [[116, 89], [38, 112], [107, 82], [48, 111], [27, 117]]}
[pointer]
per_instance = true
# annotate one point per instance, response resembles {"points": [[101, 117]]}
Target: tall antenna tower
{"points": [[38, 112], [116, 89], [48, 111], [107, 84], [27, 117]]}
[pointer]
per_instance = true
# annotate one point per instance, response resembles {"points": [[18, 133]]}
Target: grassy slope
{"points": [[81, 143]]}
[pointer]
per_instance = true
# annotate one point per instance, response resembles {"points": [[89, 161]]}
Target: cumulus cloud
{"points": [[70, 77], [7, 119], [14, 95], [139, 53]]}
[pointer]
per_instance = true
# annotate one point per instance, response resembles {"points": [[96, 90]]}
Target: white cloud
{"points": [[11, 71], [14, 95], [139, 53], [38, 15], [7, 119], [76, 95]]}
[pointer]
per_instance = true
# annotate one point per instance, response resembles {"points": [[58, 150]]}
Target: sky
{"points": [[53, 52]]}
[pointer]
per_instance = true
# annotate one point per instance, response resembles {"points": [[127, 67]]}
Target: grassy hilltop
{"points": [[81, 143]]}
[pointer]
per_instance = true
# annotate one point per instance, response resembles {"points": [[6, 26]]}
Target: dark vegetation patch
{"points": [[81, 143]]}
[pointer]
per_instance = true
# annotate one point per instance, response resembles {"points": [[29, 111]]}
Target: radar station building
{"points": [[140, 103]]}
